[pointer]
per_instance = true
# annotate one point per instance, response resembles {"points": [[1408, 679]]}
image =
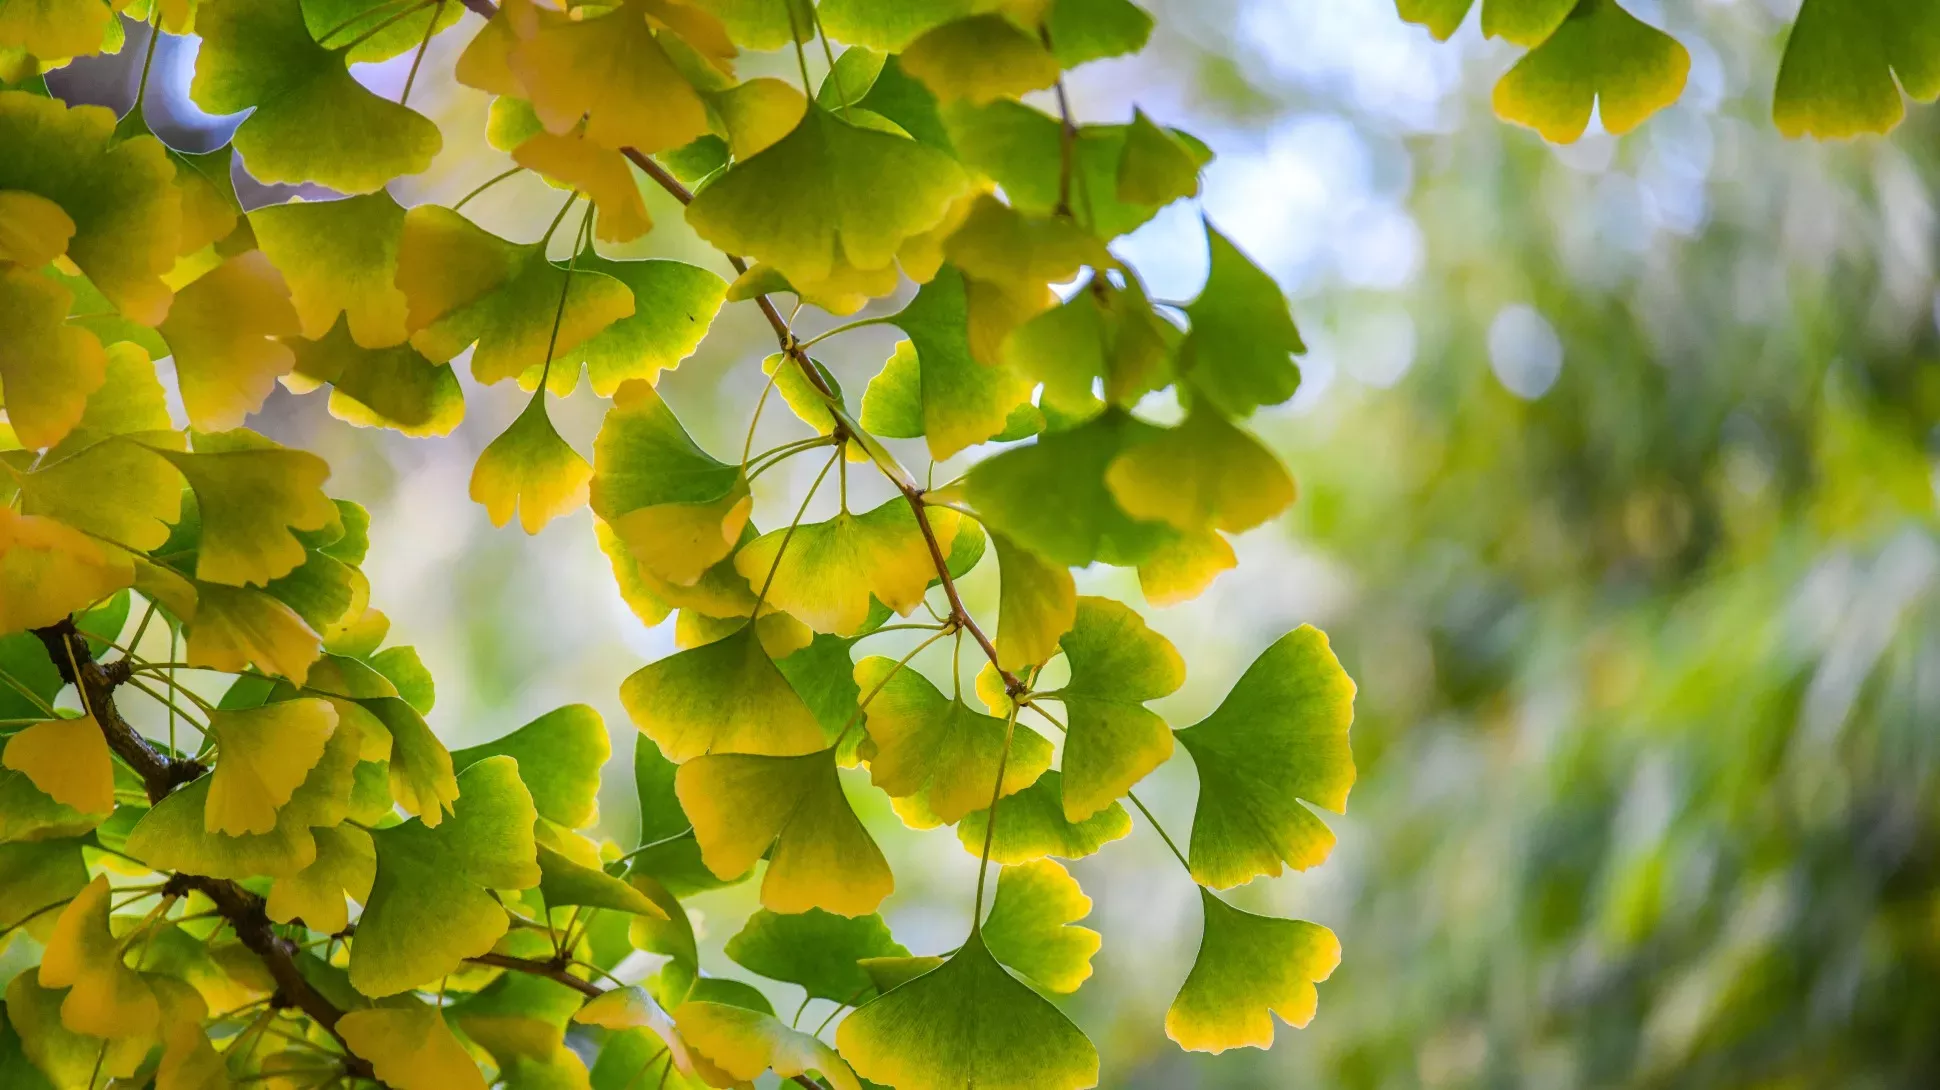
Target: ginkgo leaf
{"points": [[116, 488], [610, 70], [1037, 604], [67, 760], [345, 866], [520, 1020], [431, 907], [1184, 566], [1031, 825], [232, 628], [1089, 30], [175, 836], [36, 874], [1604, 55], [815, 949], [597, 171], [757, 113], [967, 1024], [127, 216], [49, 570], [530, 469], [421, 771], [980, 58], [1031, 925], [251, 494], [54, 30], [1524, 22], [1203, 474], [674, 304], [339, 258], [1279, 737], [939, 750], [894, 972], [828, 200], [392, 387], [742, 805], [1117, 664], [1249, 969], [1239, 351], [560, 755], [312, 121], [264, 755], [1102, 336], [564, 882], [223, 330], [33, 229], [407, 673], [371, 25], [830, 570], [722, 697], [48, 366], [1050, 497], [410, 1048], [1837, 77], [887, 25], [745, 1043], [1156, 167], [679, 510], [105, 998], [962, 402]]}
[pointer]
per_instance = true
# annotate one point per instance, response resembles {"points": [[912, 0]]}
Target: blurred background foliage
{"points": [[1618, 472]]}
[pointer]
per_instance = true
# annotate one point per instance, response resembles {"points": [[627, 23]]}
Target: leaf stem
{"points": [[485, 185], [990, 823], [859, 323], [863, 704], [430, 29], [755, 614], [663, 841], [1030, 703]]}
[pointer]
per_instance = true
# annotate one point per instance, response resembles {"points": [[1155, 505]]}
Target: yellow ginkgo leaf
{"points": [[105, 998], [68, 760], [938, 749], [411, 1048], [611, 71], [822, 857], [49, 570], [1600, 54], [232, 628], [223, 330], [117, 488], [744, 1043], [339, 257], [597, 171], [829, 570], [33, 229], [757, 113], [1037, 604], [980, 58], [530, 469], [723, 697], [345, 865], [262, 755], [48, 365], [252, 493]]}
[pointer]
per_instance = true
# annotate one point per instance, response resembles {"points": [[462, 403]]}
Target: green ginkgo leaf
{"points": [[225, 331], [339, 258], [744, 1043], [531, 470], [668, 850], [1089, 30], [674, 305], [1600, 55], [830, 570], [1031, 825], [937, 750], [793, 811], [1524, 22], [1156, 167], [463, 284], [312, 121], [887, 26], [829, 201], [679, 510], [345, 866], [252, 494], [116, 488], [1249, 969], [1031, 924], [1203, 474], [1037, 604], [35, 874], [127, 216], [1280, 736], [564, 882], [560, 755], [722, 697], [1837, 77], [175, 836], [393, 387], [1117, 664], [815, 949], [410, 1047], [431, 906], [980, 58], [960, 402], [1050, 497], [371, 25], [1102, 336], [48, 365], [1238, 353], [967, 1024], [421, 773]]}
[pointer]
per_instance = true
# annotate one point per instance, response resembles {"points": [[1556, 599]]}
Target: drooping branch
{"points": [[162, 773]]}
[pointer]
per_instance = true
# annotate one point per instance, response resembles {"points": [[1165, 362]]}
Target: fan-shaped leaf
{"points": [[1030, 926], [1249, 968]]}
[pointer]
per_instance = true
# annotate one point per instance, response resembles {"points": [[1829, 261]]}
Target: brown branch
{"points": [[162, 773], [911, 493]]}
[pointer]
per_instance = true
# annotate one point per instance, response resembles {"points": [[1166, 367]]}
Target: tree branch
{"points": [[162, 773]]}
